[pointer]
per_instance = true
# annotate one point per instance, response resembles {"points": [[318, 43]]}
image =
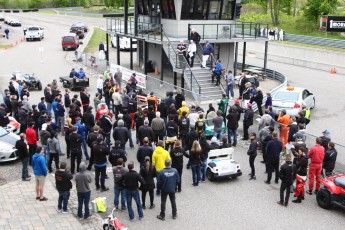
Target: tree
{"points": [[4, 3], [315, 8], [35, 4], [275, 10]]}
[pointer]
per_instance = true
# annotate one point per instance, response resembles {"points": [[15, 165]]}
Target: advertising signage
{"points": [[332, 23]]}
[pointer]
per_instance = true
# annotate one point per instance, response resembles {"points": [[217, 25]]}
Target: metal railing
{"points": [[229, 30], [336, 43], [181, 63], [151, 31]]}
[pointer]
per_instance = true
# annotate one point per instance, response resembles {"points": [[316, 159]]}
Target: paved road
{"points": [[230, 204]]}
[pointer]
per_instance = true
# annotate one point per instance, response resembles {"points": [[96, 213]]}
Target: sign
{"points": [[333, 23], [127, 73]]}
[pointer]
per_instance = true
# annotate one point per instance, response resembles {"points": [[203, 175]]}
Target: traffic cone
{"points": [[16, 42], [156, 71], [333, 71]]}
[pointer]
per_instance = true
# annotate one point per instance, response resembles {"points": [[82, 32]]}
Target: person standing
{"points": [[191, 52], [181, 51], [257, 98], [287, 174], [63, 185], [24, 156], [105, 125], [206, 52], [39, 167], [218, 125], [101, 51], [82, 182], [31, 139], [176, 155], [116, 153], [7, 31], [273, 150], [158, 127], [167, 180], [230, 81], [195, 36], [130, 181], [284, 120], [252, 153], [100, 153], [75, 141], [81, 129], [121, 133], [158, 158], [147, 172], [302, 171], [117, 102], [325, 138], [247, 120], [53, 145], [119, 170], [118, 78], [99, 84], [329, 159], [217, 71], [144, 151], [195, 162], [60, 116], [85, 99], [183, 125], [232, 126], [316, 155]]}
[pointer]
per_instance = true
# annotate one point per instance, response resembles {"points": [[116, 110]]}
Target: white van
{"points": [[124, 42]]}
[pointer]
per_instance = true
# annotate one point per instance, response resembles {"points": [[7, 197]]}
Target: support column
{"points": [[175, 79], [235, 62], [265, 57], [118, 49], [146, 54], [131, 52], [182, 81], [244, 55], [107, 45], [162, 56], [136, 16], [126, 16]]}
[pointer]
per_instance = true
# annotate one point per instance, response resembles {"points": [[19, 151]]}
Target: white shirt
{"points": [[99, 83], [191, 48]]}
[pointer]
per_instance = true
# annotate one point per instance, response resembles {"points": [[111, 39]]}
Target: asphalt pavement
{"points": [[228, 204]]}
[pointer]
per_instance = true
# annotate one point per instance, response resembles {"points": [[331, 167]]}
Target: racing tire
{"points": [[323, 198], [27, 39], [313, 104], [106, 227], [39, 86], [209, 175]]}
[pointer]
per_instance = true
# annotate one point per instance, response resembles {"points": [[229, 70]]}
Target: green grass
{"points": [[103, 10], [314, 46], [98, 36], [5, 46], [46, 12]]}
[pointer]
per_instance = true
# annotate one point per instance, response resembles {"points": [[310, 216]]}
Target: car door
{"points": [[307, 98]]}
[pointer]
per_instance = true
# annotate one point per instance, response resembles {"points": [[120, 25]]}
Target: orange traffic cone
{"points": [[16, 42], [156, 71], [333, 71]]}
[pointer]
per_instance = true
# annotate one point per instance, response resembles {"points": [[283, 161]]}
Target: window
{"points": [[214, 9], [168, 9], [228, 9]]}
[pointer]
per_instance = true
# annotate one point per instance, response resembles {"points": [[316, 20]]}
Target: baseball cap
{"points": [[326, 132], [237, 102], [249, 105]]}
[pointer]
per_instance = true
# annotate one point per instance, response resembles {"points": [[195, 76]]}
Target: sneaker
{"points": [[174, 216], [280, 203], [59, 210], [252, 178], [104, 189], [81, 218], [44, 199], [143, 206], [152, 206], [140, 218], [88, 218], [26, 179], [67, 211], [316, 191], [267, 182], [160, 217], [297, 201], [310, 192]]}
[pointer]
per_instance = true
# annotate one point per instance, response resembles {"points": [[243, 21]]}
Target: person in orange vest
{"points": [[284, 120], [183, 108], [152, 100]]}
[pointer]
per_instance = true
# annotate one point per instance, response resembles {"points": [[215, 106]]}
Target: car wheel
{"points": [[312, 107], [39, 86], [209, 175], [323, 198], [108, 227], [27, 39], [63, 48], [39, 39]]}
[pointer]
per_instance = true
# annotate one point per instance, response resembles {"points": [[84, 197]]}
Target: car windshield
{"points": [[286, 96], [3, 132], [68, 39], [33, 28]]}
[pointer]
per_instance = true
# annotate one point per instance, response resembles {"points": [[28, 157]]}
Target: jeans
{"points": [[230, 90], [61, 122], [107, 139], [63, 200], [54, 156], [179, 170], [100, 91], [49, 108], [218, 132], [107, 102], [251, 164], [75, 156], [84, 146], [135, 195], [84, 198], [172, 198], [100, 171], [196, 174], [232, 133], [25, 171], [46, 153], [203, 169], [130, 139], [32, 151], [118, 191], [245, 132]]}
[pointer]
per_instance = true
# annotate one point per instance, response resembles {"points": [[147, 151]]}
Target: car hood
{"points": [[5, 146], [10, 138], [220, 163]]}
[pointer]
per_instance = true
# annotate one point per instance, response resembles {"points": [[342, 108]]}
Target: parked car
{"points": [[291, 99], [7, 152], [8, 137], [15, 22], [13, 126], [31, 81], [70, 41], [34, 32], [81, 25], [78, 31], [220, 164], [124, 42], [2, 18]]}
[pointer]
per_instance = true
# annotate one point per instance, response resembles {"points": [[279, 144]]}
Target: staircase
{"points": [[198, 79]]}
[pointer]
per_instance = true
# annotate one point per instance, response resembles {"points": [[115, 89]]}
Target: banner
{"points": [[127, 73]]}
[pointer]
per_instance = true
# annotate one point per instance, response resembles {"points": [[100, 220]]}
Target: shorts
{"points": [[40, 180]]}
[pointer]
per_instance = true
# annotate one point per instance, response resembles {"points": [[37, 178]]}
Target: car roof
{"points": [[295, 89], [69, 34]]}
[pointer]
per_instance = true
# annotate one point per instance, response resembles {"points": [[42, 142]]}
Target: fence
{"points": [[336, 43]]}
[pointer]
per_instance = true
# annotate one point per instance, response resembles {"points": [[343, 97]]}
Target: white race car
{"points": [[7, 152], [220, 163]]}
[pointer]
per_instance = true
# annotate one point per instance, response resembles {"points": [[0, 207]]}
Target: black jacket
{"points": [[176, 155], [121, 134], [67, 100], [163, 109], [325, 141], [148, 178], [63, 180], [115, 154], [85, 98], [248, 117], [232, 120], [146, 131], [190, 138], [105, 124], [4, 120], [205, 149], [92, 137], [179, 98], [128, 120], [330, 159], [23, 116], [88, 119], [130, 180], [301, 166], [172, 129], [144, 151], [292, 131], [22, 149], [100, 153], [195, 157], [287, 173], [75, 141], [273, 149], [252, 151]]}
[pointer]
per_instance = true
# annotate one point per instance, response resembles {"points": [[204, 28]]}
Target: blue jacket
{"points": [[54, 105], [81, 74], [218, 68], [42, 106], [273, 149], [167, 180], [81, 129], [60, 110], [207, 50], [39, 165]]}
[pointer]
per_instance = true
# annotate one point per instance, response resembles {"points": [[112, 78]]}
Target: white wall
{"points": [[226, 55]]}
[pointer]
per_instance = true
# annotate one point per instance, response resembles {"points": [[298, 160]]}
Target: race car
{"points": [[209, 124], [13, 126], [332, 192], [31, 81], [7, 152], [220, 164]]}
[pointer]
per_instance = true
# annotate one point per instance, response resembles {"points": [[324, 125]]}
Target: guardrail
{"points": [[336, 43], [86, 41]]}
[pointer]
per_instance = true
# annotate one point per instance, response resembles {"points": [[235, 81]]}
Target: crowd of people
{"points": [[166, 132]]}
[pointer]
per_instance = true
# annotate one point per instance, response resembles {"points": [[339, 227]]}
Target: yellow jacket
{"points": [[158, 158], [183, 108]]}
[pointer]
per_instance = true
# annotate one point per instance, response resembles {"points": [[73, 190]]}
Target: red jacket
{"points": [[31, 136], [316, 154]]}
